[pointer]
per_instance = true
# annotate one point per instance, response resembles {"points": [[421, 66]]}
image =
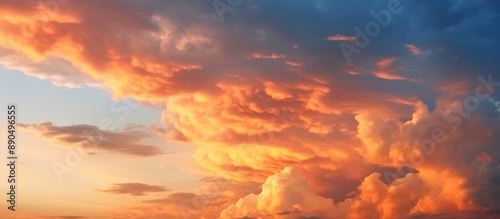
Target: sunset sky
{"points": [[252, 109]]}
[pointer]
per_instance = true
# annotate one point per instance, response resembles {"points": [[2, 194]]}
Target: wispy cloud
{"points": [[339, 37], [133, 189], [91, 138], [414, 49]]}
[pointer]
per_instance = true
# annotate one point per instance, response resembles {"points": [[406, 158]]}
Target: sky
{"points": [[252, 109]]}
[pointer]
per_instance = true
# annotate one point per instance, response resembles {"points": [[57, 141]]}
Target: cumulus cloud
{"points": [[90, 138], [445, 148], [288, 195], [442, 183], [284, 195]]}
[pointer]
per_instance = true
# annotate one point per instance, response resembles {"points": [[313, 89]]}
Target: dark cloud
{"points": [[133, 189], [90, 138], [174, 198], [63, 217], [490, 214]]}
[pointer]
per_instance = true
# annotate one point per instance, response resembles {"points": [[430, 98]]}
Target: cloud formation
{"points": [[261, 96], [133, 189], [339, 37], [413, 49], [284, 195], [90, 138]]}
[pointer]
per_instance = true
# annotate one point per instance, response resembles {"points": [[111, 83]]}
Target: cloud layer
{"points": [[134, 189], [90, 138], [268, 93]]}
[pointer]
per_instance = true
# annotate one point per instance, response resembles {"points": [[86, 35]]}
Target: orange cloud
{"points": [[264, 55], [388, 76], [294, 64], [287, 195], [386, 70], [284, 195], [386, 63], [413, 49], [253, 118]]}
